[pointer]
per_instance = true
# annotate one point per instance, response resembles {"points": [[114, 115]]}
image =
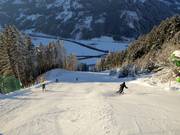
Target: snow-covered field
{"points": [[105, 43], [90, 106]]}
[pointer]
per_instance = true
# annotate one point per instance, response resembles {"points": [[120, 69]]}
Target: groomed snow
{"points": [[90, 106]]}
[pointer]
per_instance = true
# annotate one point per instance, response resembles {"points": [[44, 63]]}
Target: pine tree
{"points": [[20, 58], [40, 59], [30, 59], [18, 53], [5, 66]]}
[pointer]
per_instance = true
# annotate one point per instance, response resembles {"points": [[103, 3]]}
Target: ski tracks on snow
{"points": [[91, 109], [88, 114]]}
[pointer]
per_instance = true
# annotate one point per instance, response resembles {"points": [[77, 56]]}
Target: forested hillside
{"points": [[149, 52], [20, 59]]}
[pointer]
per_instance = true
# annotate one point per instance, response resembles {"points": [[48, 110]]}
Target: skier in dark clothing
{"points": [[57, 80], [43, 83], [122, 86], [43, 87]]}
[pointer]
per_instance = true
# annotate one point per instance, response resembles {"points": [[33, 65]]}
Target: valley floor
{"points": [[90, 106]]}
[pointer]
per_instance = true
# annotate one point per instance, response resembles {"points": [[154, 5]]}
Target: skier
{"points": [[43, 84], [43, 87], [57, 80], [122, 86]]}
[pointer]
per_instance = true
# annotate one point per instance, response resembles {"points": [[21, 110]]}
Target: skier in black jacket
{"points": [[122, 86]]}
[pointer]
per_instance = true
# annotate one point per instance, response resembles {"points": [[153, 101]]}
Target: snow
{"points": [[90, 107], [67, 6], [130, 14], [84, 22], [20, 16], [87, 22], [1, 95], [17, 2], [100, 20], [33, 17], [177, 53], [166, 2], [65, 16], [104, 42], [142, 1], [131, 25], [131, 17], [171, 3]]}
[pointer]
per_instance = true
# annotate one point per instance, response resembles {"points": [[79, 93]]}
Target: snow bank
{"points": [[173, 86], [177, 53], [154, 81], [1, 95]]}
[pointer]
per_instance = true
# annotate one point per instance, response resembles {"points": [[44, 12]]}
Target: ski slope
{"points": [[90, 106]]}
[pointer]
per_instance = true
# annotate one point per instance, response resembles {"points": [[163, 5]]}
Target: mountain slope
{"points": [[149, 52], [90, 107], [86, 18], [154, 49]]}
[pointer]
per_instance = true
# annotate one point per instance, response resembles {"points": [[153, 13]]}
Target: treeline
{"points": [[112, 60], [21, 59]]}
